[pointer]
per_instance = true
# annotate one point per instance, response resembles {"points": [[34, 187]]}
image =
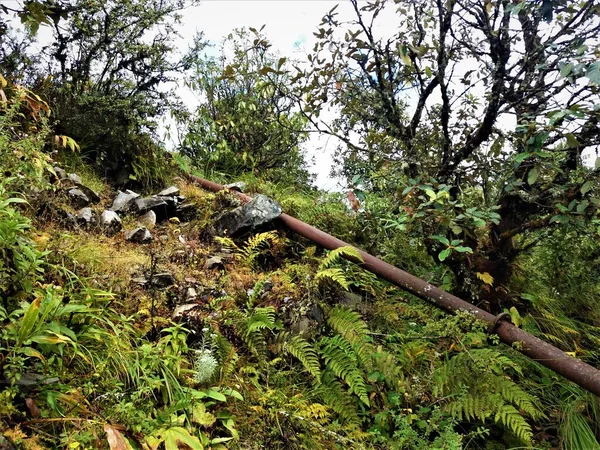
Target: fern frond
{"points": [[508, 416], [340, 358], [334, 274], [335, 255], [486, 391], [352, 328], [227, 243], [260, 319], [512, 393], [226, 355], [333, 394], [304, 352], [256, 244], [250, 329]]}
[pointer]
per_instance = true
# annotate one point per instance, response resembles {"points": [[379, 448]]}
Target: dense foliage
{"points": [[245, 121], [469, 139]]}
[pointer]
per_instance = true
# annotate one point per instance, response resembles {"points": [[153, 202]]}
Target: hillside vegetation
{"points": [[136, 314]]}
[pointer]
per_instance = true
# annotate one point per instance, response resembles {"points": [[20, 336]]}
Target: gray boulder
{"points": [[140, 235], [187, 212], [191, 294], [186, 311], [163, 280], [169, 192], [148, 203], [60, 172], [259, 211], [86, 216], [160, 205], [123, 201], [213, 262], [238, 186], [78, 198], [148, 219], [74, 178], [90, 193], [111, 222]]}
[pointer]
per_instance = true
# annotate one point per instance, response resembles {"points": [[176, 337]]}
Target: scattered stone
{"points": [[140, 235], [316, 313], [163, 280], [29, 379], [190, 294], [60, 172], [351, 300], [260, 210], [93, 196], [302, 326], [147, 203], [86, 216], [213, 262], [148, 219], [238, 186], [169, 192], [110, 221], [156, 204], [123, 201], [186, 213], [78, 198], [74, 178], [188, 310], [224, 256]]}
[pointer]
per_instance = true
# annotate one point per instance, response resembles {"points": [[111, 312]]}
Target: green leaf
{"points": [[444, 254], [566, 69], [593, 73], [587, 186], [430, 193], [532, 176], [529, 297], [29, 321], [428, 72], [231, 427], [441, 239], [572, 141], [515, 317], [201, 417], [456, 229], [174, 435], [522, 157], [461, 249], [216, 395]]}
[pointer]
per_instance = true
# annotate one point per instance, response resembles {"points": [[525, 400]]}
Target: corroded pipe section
{"points": [[574, 369]]}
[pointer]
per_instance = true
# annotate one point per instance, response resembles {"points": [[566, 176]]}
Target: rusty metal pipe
{"points": [[574, 369]]}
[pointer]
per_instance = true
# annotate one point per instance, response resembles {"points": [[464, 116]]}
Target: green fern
{"points": [[479, 389], [337, 274], [257, 244], [353, 329], [508, 416], [226, 355], [250, 329], [337, 254], [340, 358], [304, 352], [334, 274], [333, 394]]}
